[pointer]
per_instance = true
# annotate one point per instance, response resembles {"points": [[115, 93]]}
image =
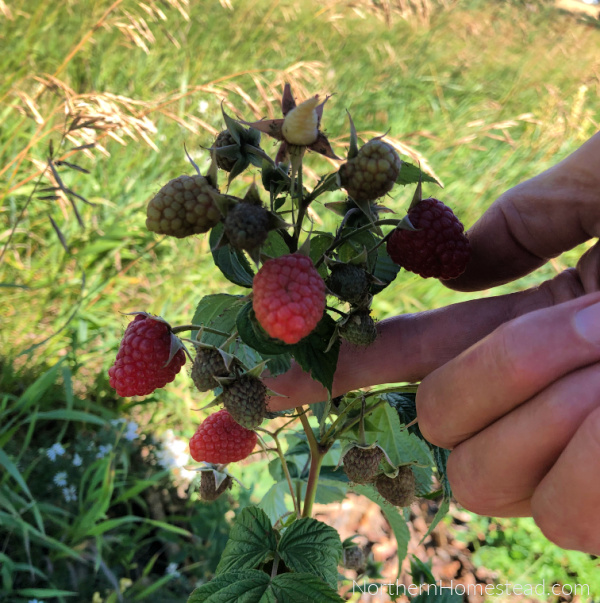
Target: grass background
{"points": [[485, 94]]}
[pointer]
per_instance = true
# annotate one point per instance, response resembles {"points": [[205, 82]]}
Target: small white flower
{"points": [[203, 106], [117, 422], [103, 450], [172, 569], [70, 494], [60, 479], [54, 451], [77, 460], [131, 433], [34, 601]]}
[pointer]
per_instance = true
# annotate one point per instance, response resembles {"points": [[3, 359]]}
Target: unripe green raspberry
{"points": [[359, 329], [350, 283], [208, 486], [208, 364], [246, 226], [372, 173], [183, 207], [224, 139], [400, 490], [246, 401]]}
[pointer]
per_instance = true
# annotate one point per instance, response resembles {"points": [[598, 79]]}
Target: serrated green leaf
{"points": [[231, 262], [394, 517], [318, 245], [251, 541], [385, 270], [218, 311], [252, 335], [440, 457], [273, 502], [303, 587], [441, 513], [312, 546], [253, 586], [401, 446], [275, 246], [311, 356], [409, 174], [245, 586], [356, 244], [445, 596]]}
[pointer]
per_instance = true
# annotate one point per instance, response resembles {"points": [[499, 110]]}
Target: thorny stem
{"points": [[361, 426]]}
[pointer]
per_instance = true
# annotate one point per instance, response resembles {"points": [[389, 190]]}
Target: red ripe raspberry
{"points": [[140, 365], [288, 297], [219, 439], [438, 249]]}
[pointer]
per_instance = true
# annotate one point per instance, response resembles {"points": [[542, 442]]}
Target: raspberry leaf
{"points": [[410, 174], [385, 271], [311, 546], [231, 262], [251, 542], [315, 355], [218, 311], [395, 519]]}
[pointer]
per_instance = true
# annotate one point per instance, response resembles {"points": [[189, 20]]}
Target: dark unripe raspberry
{"points": [[354, 558], [220, 440], [208, 486], [140, 368], [224, 139], [350, 283], [288, 297], [246, 401], [372, 173], [183, 207], [359, 329], [400, 490], [246, 226], [208, 364], [438, 249], [362, 464]]}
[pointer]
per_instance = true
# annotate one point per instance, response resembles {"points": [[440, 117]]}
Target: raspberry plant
{"points": [[302, 291]]}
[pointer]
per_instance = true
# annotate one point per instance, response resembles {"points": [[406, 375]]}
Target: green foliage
{"points": [[489, 119], [308, 548], [517, 549]]}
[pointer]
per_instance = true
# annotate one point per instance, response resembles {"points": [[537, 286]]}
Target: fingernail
{"points": [[587, 323]]}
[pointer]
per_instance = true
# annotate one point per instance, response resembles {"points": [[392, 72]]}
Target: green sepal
{"points": [[353, 148]]}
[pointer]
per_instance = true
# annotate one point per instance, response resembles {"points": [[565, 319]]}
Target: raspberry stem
{"points": [[182, 328], [317, 454], [284, 465]]}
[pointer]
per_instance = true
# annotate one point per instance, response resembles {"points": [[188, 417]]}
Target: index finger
{"points": [[535, 221], [506, 368]]}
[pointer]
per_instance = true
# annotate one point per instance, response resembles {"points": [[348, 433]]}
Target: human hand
{"points": [[528, 225], [520, 408]]}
